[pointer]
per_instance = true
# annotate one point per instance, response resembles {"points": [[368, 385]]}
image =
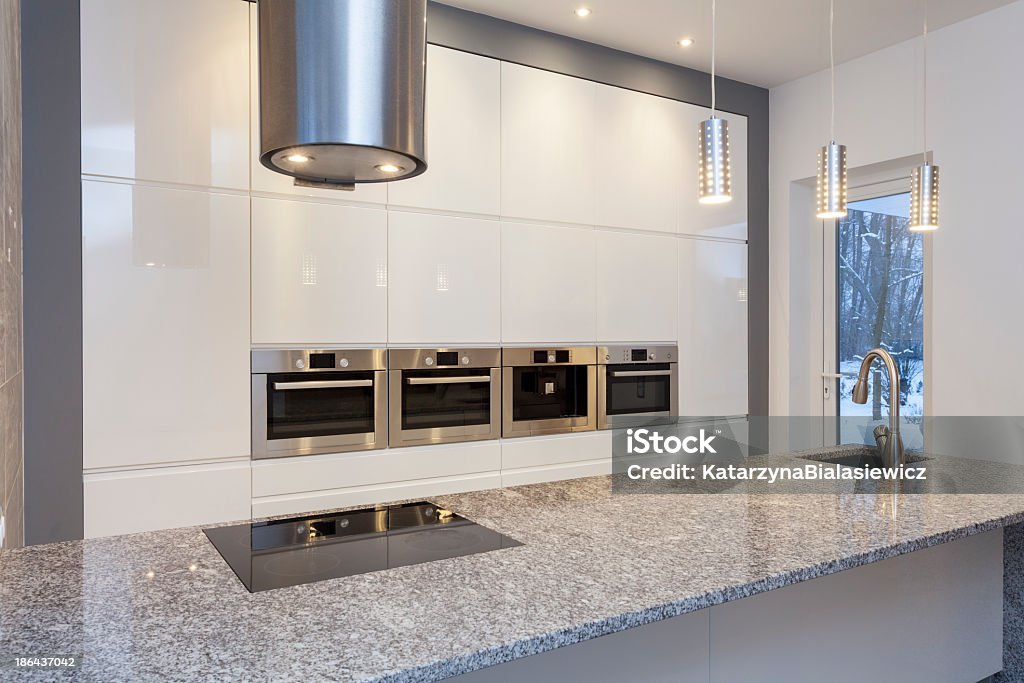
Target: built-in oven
{"points": [[318, 401], [637, 384], [548, 390], [443, 395]]}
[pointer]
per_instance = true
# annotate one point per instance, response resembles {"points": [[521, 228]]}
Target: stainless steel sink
{"points": [[862, 459]]}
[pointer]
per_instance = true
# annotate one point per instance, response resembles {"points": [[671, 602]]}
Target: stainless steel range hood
{"points": [[341, 89]]}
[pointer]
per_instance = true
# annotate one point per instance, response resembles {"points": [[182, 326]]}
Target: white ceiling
{"points": [[764, 42]]}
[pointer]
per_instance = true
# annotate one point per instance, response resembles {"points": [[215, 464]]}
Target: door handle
{"points": [[472, 379], [323, 384], [640, 373]]}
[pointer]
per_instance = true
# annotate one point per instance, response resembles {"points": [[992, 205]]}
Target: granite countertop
{"points": [[165, 606]]}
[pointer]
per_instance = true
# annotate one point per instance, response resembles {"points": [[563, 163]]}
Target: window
{"points": [[880, 302]]}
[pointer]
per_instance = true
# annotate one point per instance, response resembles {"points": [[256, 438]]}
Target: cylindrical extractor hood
{"points": [[341, 89]]}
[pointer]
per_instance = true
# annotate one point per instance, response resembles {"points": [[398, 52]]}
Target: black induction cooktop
{"points": [[297, 550]]}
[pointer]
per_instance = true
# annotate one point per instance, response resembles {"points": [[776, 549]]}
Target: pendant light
{"points": [[924, 180], [832, 157], [714, 179]]}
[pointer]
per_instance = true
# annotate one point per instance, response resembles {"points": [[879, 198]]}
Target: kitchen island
{"points": [[165, 606]]}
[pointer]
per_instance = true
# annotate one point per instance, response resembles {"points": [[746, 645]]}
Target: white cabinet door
{"points": [[637, 287], [266, 181], [548, 158], [547, 284], [728, 220], [642, 149], [463, 137], [712, 328], [165, 91], [319, 273], [166, 325], [444, 279]]}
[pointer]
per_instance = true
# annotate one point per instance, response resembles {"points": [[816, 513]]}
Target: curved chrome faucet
{"points": [[890, 443]]}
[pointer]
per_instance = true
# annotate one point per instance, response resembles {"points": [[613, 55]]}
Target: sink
{"points": [[862, 459]]}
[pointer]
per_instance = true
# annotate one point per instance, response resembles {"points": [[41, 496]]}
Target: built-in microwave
{"points": [[548, 390], [306, 402], [637, 384], [443, 395]]}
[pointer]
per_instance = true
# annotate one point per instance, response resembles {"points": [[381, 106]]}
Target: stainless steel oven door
{"points": [[519, 420], [322, 412], [444, 405], [636, 392]]}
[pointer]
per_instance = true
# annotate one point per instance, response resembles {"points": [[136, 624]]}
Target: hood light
{"points": [[389, 168], [298, 158]]}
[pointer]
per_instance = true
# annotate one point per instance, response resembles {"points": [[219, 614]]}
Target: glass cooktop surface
{"points": [[298, 550]]}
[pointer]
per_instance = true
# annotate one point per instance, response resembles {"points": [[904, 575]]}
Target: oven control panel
{"points": [[637, 354], [443, 359]]}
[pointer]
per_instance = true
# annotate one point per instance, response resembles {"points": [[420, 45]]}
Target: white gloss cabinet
{"points": [[727, 220], [444, 279], [319, 273], [547, 284], [643, 152], [712, 328], [548, 146], [166, 91], [166, 325], [463, 128], [637, 287]]}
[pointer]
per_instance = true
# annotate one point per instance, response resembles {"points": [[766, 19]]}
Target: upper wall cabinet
{"points": [[319, 273], [166, 325], [712, 328], [548, 139], [463, 137], [642, 146], [728, 220], [266, 181], [165, 90], [547, 284], [444, 279], [637, 287]]}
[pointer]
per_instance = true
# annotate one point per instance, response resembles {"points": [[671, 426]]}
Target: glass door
{"points": [[874, 296]]}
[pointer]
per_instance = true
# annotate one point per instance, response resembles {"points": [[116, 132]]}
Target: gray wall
{"points": [[53, 270], [11, 460]]}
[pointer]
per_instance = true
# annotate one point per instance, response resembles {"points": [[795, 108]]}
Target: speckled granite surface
{"points": [[1013, 606], [164, 606]]}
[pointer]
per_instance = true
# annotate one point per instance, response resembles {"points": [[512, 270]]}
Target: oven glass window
{"points": [[547, 393], [630, 394], [430, 399], [301, 406]]}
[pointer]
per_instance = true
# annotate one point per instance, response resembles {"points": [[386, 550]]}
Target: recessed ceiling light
{"points": [[685, 42], [298, 158], [582, 12], [389, 168]]}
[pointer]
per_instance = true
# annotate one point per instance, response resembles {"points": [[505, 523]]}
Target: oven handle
{"points": [[640, 373], [324, 384], [474, 379]]}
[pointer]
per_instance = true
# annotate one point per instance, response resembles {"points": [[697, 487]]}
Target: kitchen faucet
{"points": [[888, 440]]}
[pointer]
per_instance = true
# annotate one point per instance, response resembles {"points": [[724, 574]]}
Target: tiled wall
{"points": [[11, 453]]}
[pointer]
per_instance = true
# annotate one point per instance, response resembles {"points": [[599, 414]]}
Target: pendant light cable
{"points": [[924, 103], [832, 65], [714, 37]]}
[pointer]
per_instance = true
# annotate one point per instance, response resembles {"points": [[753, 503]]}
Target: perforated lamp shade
{"points": [[924, 198], [715, 180], [831, 199]]}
